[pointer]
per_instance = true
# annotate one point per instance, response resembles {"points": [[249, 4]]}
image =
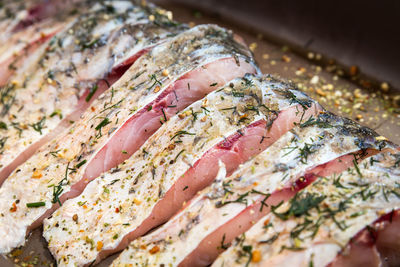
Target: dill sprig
{"points": [[179, 133], [241, 200], [355, 163], [7, 98], [38, 126], [3, 141], [57, 190], [92, 91], [153, 78], [100, 126], [317, 122], [305, 151], [300, 205], [304, 103]]}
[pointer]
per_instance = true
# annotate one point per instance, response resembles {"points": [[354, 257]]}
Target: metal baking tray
{"points": [[321, 52]]}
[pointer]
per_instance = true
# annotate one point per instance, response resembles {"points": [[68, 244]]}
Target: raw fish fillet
{"points": [[232, 124], [46, 97], [223, 211], [200, 57], [315, 226]]}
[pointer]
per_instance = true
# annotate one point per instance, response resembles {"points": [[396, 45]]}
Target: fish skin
{"points": [[216, 124], [129, 96], [329, 240], [180, 238], [65, 78]]}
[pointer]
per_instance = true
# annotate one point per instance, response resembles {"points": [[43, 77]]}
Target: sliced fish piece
{"points": [[11, 13], [223, 211], [42, 101], [314, 227], [37, 11], [17, 51], [387, 238], [26, 25], [18, 15], [157, 85], [378, 243], [232, 124]]}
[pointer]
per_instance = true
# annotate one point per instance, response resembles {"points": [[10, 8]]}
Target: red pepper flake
{"points": [[116, 210], [37, 174], [256, 256], [99, 245], [154, 250], [14, 207]]}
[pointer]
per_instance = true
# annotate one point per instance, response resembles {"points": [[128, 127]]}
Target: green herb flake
{"points": [[92, 91], [80, 163], [179, 133], [56, 112], [153, 78], [38, 126], [3, 125], [35, 204]]}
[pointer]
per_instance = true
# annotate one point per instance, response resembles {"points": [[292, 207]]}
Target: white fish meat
{"points": [[223, 211], [315, 226], [42, 101], [62, 169], [232, 124]]}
